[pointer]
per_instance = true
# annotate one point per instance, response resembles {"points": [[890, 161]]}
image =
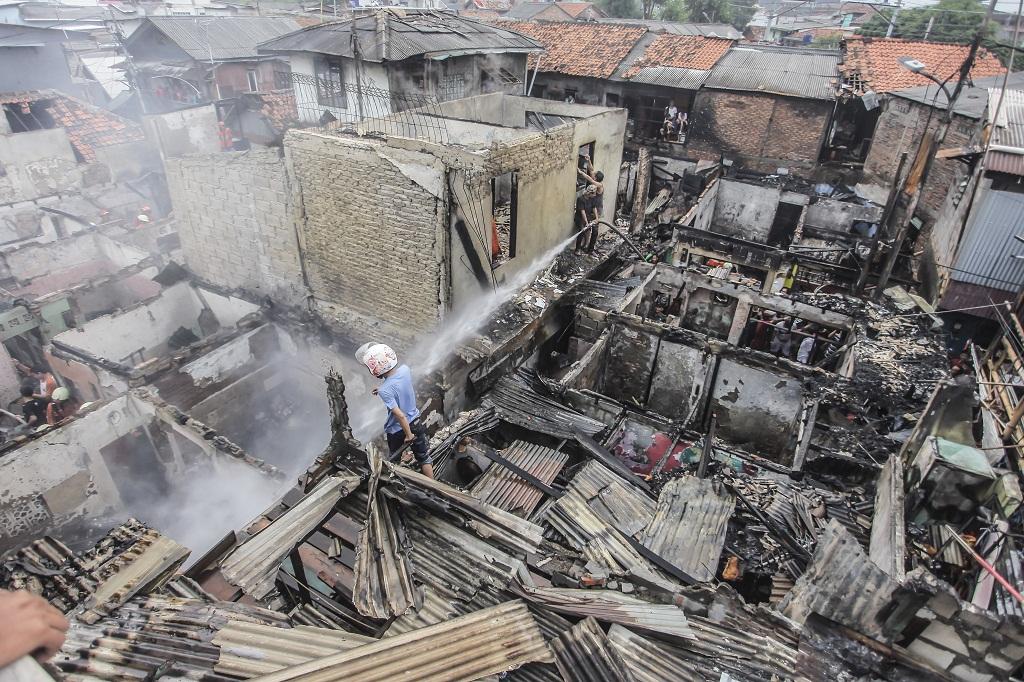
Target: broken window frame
{"points": [[330, 83], [252, 80], [501, 257]]}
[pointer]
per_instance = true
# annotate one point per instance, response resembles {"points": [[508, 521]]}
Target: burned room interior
{"points": [[728, 439]]}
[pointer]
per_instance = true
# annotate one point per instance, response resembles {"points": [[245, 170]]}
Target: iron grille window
{"points": [[330, 83]]}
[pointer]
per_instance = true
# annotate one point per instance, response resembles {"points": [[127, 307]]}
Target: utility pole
{"points": [[892, 19], [914, 186]]}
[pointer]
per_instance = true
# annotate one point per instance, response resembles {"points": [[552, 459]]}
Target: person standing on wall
{"points": [[593, 204], [402, 426]]}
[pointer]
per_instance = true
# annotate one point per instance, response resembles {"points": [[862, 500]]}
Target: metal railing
{"points": [[332, 107]]}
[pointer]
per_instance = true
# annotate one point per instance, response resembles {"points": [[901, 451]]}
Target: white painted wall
{"points": [[373, 76], [148, 326]]}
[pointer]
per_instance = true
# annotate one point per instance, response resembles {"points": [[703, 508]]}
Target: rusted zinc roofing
{"points": [[635, 652], [610, 606], [504, 489], [249, 649], [842, 584], [585, 531], [253, 565], [459, 573], [483, 643], [130, 559], [516, 399], [583, 654], [156, 636], [392, 35], [689, 525], [632, 509], [512, 533], [383, 573]]}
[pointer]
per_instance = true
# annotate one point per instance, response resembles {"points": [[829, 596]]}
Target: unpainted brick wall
{"points": [[236, 222], [371, 234], [899, 129], [757, 125]]}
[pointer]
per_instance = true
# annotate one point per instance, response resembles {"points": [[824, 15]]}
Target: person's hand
{"points": [[409, 437], [375, 391], [29, 625]]}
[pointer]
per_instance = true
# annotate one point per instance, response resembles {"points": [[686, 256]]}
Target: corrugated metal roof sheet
{"points": [[689, 525], [671, 77], [583, 654], [842, 584], [484, 643], [250, 649], [613, 607], [636, 652], [985, 255], [383, 585], [253, 565], [156, 636], [973, 99], [515, 399], [798, 73], [681, 28], [409, 33], [487, 521], [1007, 152], [504, 489], [220, 38]]}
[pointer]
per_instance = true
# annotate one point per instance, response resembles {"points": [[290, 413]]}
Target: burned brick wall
{"points": [[235, 221], [899, 130], [371, 228], [758, 125]]}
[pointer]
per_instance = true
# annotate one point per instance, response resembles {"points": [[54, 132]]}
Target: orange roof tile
{"points": [[579, 49], [88, 127], [874, 63], [682, 52], [575, 8]]}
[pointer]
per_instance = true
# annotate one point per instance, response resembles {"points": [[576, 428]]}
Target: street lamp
{"points": [[915, 66]]}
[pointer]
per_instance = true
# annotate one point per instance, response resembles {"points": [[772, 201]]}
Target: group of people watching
{"points": [[589, 205], [42, 400], [674, 125], [787, 337]]}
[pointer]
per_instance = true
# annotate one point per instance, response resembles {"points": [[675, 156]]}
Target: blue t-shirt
{"points": [[397, 391]]}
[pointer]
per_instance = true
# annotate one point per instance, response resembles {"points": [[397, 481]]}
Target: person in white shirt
{"points": [[803, 354]]}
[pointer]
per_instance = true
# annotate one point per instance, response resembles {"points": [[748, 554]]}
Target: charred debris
{"points": [[649, 476]]}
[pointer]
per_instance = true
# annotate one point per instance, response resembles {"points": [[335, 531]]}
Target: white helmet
{"points": [[380, 359], [361, 351]]}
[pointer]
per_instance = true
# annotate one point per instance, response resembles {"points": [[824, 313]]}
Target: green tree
{"points": [[952, 21], [673, 10], [742, 11], [621, 9], [708, 11]]}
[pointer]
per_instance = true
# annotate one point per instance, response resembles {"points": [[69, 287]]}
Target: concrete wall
{"points": [[38, 68], [758, 125], [745, 211], [60, 479], [147, 327], [678, 380], [756, 408], [188, 131], [371, 231], [236, 222], [65, 263], [373, 75], [35, 164]]}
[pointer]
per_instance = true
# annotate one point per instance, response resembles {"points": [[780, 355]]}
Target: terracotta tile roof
{"points": [[682, 52], [280, 108], [88, 127], [579, 49], [874, 63], [575, 8]]}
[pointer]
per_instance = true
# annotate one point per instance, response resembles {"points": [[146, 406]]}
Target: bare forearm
{"points": [[402, 421]]}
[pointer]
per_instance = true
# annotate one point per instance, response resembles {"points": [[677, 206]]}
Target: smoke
{"points": [[431, 352], [200, 508]]}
